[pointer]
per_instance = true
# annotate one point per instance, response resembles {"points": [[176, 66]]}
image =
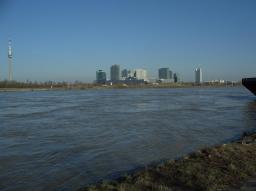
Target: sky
{"points": [[68, 40]]}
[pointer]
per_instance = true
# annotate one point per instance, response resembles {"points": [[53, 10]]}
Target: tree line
{"points": [[47, 84]]}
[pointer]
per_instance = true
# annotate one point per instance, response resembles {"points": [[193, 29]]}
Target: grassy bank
{"points": [[223, 167]]}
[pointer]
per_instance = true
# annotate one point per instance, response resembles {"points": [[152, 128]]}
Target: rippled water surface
{"points": [[63, 140]]}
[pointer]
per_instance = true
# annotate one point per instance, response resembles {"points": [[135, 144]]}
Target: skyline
{"points": [[67, 41]]}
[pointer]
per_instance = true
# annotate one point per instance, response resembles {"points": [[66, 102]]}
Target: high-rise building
{"points": [[171, 74], [164, 73], [101, 77], [115, 73], [198, 76], [140, 74], [125, 73]]}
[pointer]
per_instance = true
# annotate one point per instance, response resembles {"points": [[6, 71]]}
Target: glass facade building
{"points": [[164, 73], [115, 73], [101, 77]]}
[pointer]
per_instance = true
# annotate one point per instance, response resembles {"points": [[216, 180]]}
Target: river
{"points": [[64, 140]]}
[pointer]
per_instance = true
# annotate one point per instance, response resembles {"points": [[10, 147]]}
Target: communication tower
{"points": [[10, 60]]}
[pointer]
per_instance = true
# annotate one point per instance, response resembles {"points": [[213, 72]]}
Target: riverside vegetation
{"points": [[223, 167], [28, 85]]}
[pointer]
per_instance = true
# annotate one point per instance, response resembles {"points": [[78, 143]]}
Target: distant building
{"points": [[165, 80], [101, 77], [176, 77], [140, 74], [115, 73], [171, 77], [198, 76], [133, 81], [126, 74], [164, 73]]}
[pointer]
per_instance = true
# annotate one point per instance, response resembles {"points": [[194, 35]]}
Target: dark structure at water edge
{"points": [[250, 84]]}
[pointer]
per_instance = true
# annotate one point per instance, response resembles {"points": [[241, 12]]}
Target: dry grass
{"points": [[211, 169]]}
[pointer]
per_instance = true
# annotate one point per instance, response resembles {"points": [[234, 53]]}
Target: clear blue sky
{"points": [[71, 39]]}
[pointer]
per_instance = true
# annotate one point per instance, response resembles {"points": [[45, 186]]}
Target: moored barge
{"points": [[250, 84]]}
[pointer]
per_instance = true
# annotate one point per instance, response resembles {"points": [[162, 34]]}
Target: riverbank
{"points": [[226, 167], [23, 89], [114, 86]]}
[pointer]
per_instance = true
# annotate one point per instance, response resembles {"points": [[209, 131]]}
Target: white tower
{"points": [[198, 76], [10, 60]]}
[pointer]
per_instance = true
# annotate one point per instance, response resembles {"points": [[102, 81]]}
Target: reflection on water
{"points": [[62, 140]]}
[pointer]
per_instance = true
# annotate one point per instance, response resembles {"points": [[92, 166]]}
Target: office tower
{"points": [[101, 77], [164, 73], [10, 60], [198, 76], [140, 74], [115, 73], [170, 74]]}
